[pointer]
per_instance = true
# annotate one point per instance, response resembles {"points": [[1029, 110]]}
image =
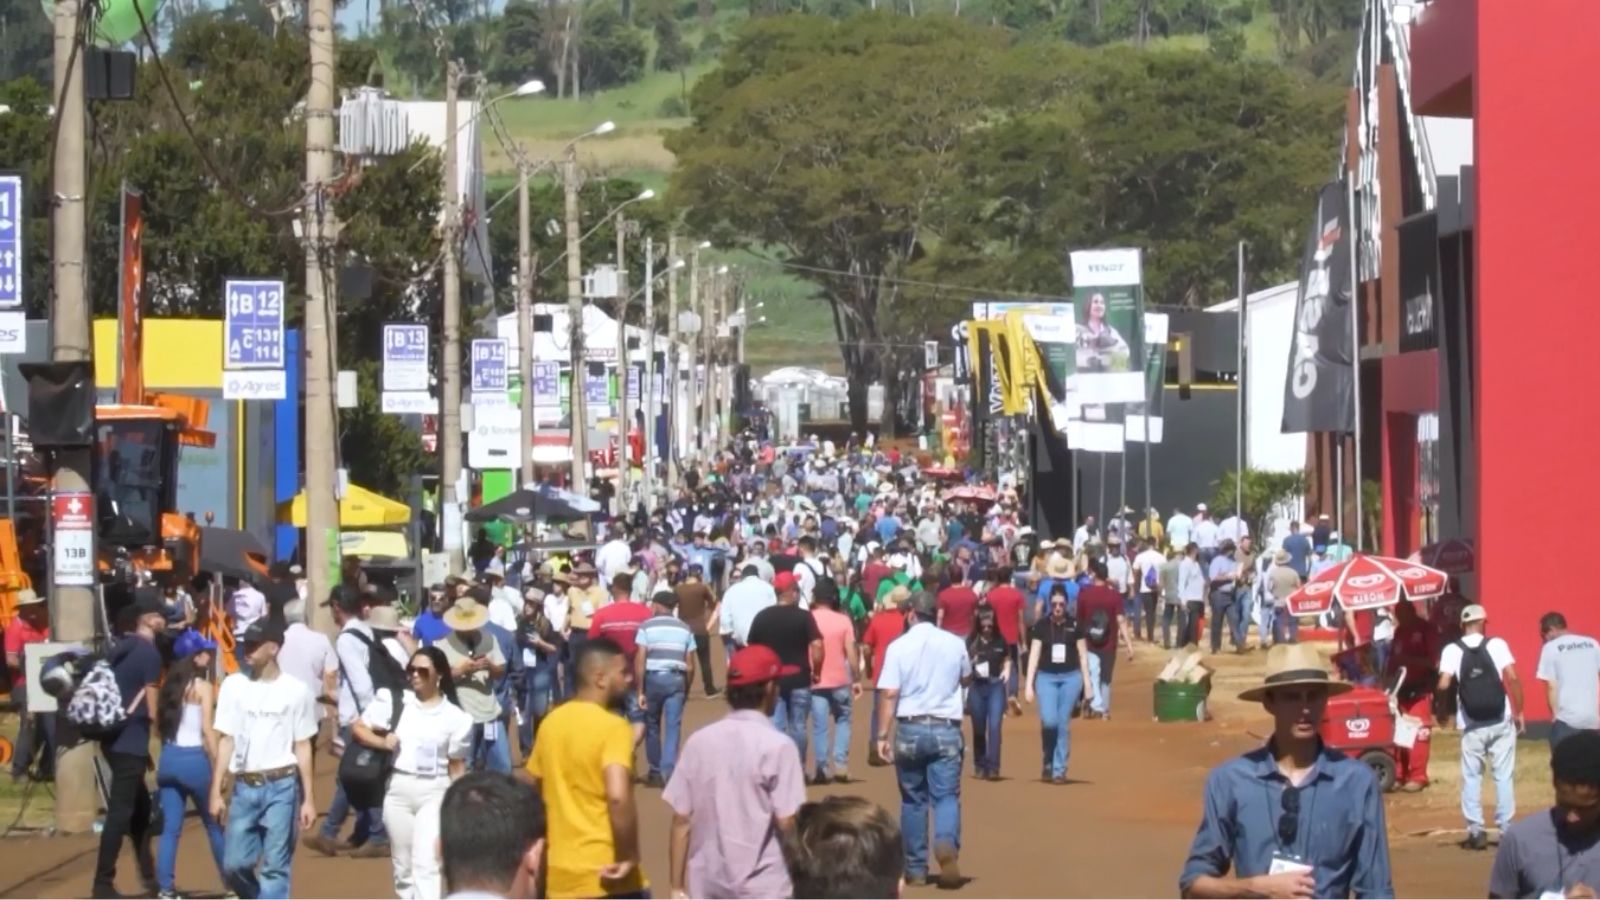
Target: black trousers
{"points": [[127, 815], [702, 652]]}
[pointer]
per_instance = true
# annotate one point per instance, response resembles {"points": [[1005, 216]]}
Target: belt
{"points": [[928, 720], [423, 777], [257, 779]]}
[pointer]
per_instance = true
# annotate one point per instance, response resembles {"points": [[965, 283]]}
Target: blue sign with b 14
{"points": [[489, 373], [12, 261], [253, 324]]}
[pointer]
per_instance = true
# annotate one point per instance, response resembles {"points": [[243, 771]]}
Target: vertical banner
{"points": [[930, 354], [983, 386], [1108, 299], [1319, 392], [13, 222], [490, 374], [130, 298], [405, 370], [546, 384], [1146, 416], [252, 340]]}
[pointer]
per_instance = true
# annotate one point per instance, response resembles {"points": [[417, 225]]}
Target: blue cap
{"points": [[191, 642]]}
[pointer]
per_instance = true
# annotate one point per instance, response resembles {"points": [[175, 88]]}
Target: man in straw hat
{"points": [[1256, 836], [476, 663]]}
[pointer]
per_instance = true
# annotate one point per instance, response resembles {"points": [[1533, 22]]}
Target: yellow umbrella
{"points": [[360, 508]]}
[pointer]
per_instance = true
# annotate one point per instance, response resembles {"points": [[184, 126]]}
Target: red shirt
{"points": [[884, 626], [958, 603], [871, 575], [1007, 602], [619, 620], [19, 634], [1098, 597], [1417, 641]]}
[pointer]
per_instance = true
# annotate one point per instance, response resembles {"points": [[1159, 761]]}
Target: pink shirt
{"points": [[735, 778], [836, 630]]}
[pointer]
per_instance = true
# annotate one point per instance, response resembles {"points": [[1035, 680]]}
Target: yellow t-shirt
{"points": [[576, 742]]}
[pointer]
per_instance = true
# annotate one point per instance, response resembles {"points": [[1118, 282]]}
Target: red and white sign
{"points": [[72, 513], [1367, 582]]}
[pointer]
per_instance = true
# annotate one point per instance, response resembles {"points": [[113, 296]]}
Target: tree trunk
{"points": [[859, 377], [566, 48], [889, 374], [577, 55]]}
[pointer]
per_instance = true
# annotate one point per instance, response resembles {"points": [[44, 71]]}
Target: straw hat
{"points": [[1281, 557], [1058, 567], [27, 597], [467, 615], [384, 618], [1294, 665]]}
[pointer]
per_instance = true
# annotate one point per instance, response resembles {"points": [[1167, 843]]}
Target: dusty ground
{"points": [[1122, 830]]}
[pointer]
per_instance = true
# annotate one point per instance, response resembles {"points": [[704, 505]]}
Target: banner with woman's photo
{"points": [[1108, 301]]}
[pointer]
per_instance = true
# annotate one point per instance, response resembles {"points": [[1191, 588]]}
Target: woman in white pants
{"points": [[430, 744]]}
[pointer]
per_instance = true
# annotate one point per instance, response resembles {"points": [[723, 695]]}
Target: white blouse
{"points": [[430, 736]]}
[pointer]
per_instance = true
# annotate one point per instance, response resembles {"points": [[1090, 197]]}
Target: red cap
{"points": [[756, 664], [785, 581]]}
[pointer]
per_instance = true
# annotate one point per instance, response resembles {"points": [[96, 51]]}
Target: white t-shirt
{"points": [[307, 655], [1572, 663], [611, 559], [1117, 573], [430, 736], [1450, 664], [504, 604], [1147, 559], [265, 719]]}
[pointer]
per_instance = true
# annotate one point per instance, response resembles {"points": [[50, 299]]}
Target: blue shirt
{"points": [[1222, 566], [1298, 546], [665, 641], [888, 527], [429, 628], [1341, 835], [926, 665]]}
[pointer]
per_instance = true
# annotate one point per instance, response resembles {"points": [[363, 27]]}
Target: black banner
{"points": [[1319, 395], [982, 375]]}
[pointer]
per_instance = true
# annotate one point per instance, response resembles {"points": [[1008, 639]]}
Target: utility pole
{"points": [[322, 507], [624, 416], [669, 377], [72, 616], [450, 421], [708, 405], [525, 270], [647, 391], [580, 413], [691, 395], [725, 358]]}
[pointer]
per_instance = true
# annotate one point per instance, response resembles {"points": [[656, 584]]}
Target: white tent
{"points": [[599, 337]]}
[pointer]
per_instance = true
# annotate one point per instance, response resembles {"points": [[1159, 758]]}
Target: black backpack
{"points": [[386, 673], [1099, 629], [1479, 690]]}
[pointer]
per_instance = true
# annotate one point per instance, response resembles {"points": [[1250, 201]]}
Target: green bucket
{"points": [[1178, 701]]}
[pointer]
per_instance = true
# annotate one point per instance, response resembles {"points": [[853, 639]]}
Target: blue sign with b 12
{"points": [[489, 373], [253, 324], [405, 357], [12, 261]]}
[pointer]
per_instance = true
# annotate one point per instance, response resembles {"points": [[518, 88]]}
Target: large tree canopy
{"points": [[880, 154]]}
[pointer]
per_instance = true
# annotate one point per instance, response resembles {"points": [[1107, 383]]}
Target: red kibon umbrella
{"points": [[972, 493], [1367, 582], [1455, 556]]}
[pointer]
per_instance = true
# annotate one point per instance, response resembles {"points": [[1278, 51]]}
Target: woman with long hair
{"points": [[1057, 676], [429, 741], [188, 751], [991, 672]]}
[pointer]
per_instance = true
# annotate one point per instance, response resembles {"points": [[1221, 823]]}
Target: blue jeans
{"points": [[261, 826], [1100, 666], [1058, 693], [872, 728], [664, 696], [533, 701], [1172, 612], [369, 822], [183, 776], [986, 701], [1285, 628], [1224, 605], [927, 764], [789, 716], [490, 755], [831, 703], [1495, 745], [1560, 731]]}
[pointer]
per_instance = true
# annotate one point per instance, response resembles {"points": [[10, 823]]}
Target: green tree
{"points": [[613, 52], [1262, 492], [25, 41], [520, 49], [381, 450]]}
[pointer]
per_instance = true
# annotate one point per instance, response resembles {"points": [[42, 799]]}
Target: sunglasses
{"points": [[1289, 821], [424, 671]]}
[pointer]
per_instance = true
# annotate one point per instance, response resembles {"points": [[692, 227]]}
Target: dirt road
{"points": [[1121, 830]]}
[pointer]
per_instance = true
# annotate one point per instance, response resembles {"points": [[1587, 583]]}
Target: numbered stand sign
{"points": [[72, 513], [405, 371], [489, 374], [12, 261], [253, 355]]}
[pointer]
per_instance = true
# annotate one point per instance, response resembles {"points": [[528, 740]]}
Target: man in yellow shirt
{"points": [[583, 766]]}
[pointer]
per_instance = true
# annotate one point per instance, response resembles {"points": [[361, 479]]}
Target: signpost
{"points": [[546, 384], [72, 515], [252, 334], [405, 370], [12, 261], [489, 372]]}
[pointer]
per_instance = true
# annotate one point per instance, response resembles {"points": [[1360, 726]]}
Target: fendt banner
{"points": [[1319, 392]]}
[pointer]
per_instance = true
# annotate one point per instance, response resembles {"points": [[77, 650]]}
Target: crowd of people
{"points": [[487, 740]]}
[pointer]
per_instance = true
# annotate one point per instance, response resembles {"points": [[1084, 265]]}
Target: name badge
{"points": [[1284, 864], [425, 759], [1553, 895], [588, 608], [981, 669], [491, 731], [1058, 653]]}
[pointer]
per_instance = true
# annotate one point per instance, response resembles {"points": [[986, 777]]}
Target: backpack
{"points": [[1099, 629], [96, 706], [381, 667], [1152, 578], [1479, 690]]}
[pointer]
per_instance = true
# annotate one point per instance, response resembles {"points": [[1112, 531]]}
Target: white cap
{"points": [[1473, 613], [1200, 507], [898, 561]]}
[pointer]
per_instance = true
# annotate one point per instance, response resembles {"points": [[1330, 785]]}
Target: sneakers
{"points": [[1014, 706], [320, 843], [1476, 840], [841, 777], [371, 850], [949, 868]]}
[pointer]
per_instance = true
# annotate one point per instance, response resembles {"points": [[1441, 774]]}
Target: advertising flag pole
{"points": [[1355, 358]]}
